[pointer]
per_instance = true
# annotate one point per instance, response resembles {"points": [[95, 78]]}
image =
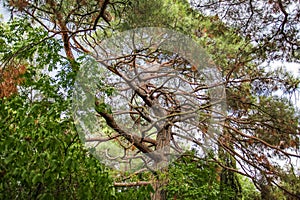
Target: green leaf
{"points": [[37, 178]]}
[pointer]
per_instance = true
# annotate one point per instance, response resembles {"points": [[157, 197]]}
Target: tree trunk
{"points": [[163, 147], [229, 179], [160, 192]]}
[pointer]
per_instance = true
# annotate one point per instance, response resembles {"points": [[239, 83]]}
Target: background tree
{"points": [[271, 26]]}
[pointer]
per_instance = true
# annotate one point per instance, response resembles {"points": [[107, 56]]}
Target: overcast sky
{"points": [[4, 13]]}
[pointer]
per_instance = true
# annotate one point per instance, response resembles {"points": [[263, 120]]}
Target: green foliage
{"points": [[42, 157], [130, 193], [168, 14], [190, 179], [291, 182], [41, 154], [248, 188], [100, 105], [20, 40]]}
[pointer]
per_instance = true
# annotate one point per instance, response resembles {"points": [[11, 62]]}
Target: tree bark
{"points": [[163, 146], [160, 193], [229, 179]]}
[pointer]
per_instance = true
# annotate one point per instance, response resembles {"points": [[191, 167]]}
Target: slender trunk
{"points": [[60, 20], [229, 180]]}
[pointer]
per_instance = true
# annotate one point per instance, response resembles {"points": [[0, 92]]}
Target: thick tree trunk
{"points": [[160, 193], [163, 147]]}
